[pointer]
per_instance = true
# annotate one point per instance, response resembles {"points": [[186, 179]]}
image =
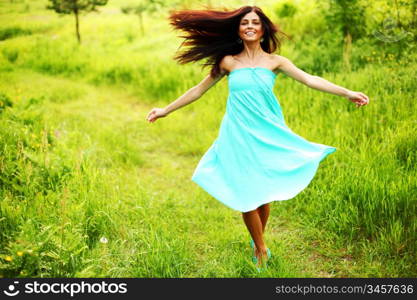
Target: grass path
{"points": [[214, 236]]}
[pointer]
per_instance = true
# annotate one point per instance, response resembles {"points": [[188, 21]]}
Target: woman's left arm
{"points": [[318, 83]]}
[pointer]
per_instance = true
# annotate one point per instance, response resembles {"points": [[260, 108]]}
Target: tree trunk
{"points": [[77, 25], [141, 23], [413, 22], [347, 49], [398, 13]]}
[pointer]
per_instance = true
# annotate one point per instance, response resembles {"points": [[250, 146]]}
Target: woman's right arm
{"points": [[189, 96], [194, 93]]}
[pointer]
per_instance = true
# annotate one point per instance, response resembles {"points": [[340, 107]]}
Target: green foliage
{"points": [[4, 102], [21, 150], [286, 10], [70, 6], [318, 56], [10, 32], [406, 150], [150, 6], [41, 251], [11, 55], [348, 16]]}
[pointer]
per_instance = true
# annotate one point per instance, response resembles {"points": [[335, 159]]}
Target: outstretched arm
{"points": [[194, 93], [188, 97], [318, 83]]}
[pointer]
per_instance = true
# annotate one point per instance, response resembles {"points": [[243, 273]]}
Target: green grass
{"points": [[79, 162]]}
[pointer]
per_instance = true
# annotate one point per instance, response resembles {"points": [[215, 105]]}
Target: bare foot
{"points": [[261, 255]]}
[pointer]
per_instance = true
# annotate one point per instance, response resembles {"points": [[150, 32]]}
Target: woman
{"points": [[256, 159]]}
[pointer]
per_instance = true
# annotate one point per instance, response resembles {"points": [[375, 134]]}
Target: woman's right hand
{"points": [[156, 113], [360, 99]]}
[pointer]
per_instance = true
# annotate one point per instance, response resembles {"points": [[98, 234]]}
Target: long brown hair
{"points": [[213, 34]]}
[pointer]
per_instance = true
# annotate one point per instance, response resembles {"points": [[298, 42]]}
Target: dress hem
{"points": [[324, 154]]}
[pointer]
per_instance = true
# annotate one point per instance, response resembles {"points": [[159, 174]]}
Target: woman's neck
{"points": [[252, 50]]}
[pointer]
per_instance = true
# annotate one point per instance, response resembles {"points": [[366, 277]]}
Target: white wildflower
{"points": [[103, 240]]}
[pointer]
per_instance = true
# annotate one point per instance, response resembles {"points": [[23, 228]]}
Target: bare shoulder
{"points": [[287, 67], [226, 64], [280, 61]]}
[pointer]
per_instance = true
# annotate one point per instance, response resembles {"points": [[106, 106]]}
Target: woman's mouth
{"points": [[250, 33]]}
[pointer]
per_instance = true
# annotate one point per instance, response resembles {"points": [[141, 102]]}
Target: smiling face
{"points": [[250, 27]]}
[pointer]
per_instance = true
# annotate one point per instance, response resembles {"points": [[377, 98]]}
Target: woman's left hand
{"points": [[357, 97]]}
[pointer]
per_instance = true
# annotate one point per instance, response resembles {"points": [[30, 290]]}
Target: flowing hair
{"points": [[213, 34]]}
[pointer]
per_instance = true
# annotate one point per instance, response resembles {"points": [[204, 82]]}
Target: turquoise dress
{"points": [[256, 158]]}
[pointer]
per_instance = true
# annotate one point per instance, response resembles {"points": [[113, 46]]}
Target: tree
{"points": [[150, 6], [75, 7], [349, 17]]}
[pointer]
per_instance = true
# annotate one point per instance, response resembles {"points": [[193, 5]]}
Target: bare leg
{"points": [[263, 212], [254, 225]]}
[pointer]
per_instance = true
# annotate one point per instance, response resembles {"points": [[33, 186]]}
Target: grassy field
{"points": [[89, 188]]}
